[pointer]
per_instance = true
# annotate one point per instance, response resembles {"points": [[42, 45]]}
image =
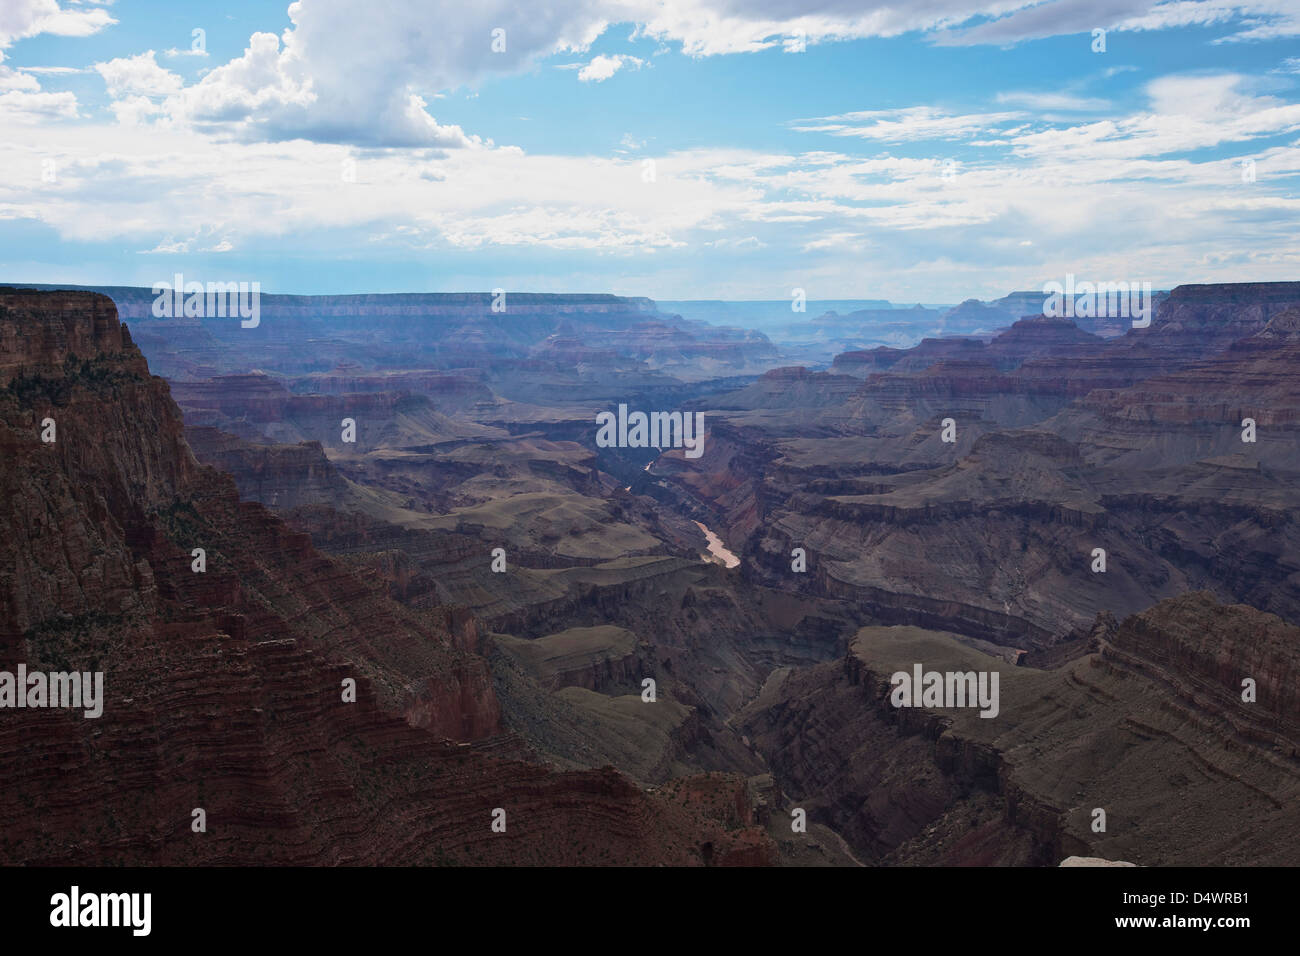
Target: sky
{"points": [[914, 150]]}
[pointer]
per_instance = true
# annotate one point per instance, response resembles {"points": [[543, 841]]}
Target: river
{"points": [[717, 548]]}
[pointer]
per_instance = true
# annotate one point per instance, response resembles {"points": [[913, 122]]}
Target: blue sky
{"points": [[668, 148]]}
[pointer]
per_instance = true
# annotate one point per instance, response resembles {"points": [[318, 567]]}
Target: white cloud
{"points": [[16, 80], [1265, 19], [742, 242], [22, 99], [272, 93], [22, 105], [1052, 101], [138, 75], [838, 241], [602, 67], [708, 27], [27, 18], [813, 213], [336, 77], [1059, 183], [906, 125], [135, 110], [167, 247], [49, 70], [1187, 113], [711, 27]]}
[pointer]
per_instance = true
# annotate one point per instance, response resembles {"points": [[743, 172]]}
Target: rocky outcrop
{"points": [[926, 353], [1155, 720], [41, 331], [451, 390], [595, 658], [280, 476]]}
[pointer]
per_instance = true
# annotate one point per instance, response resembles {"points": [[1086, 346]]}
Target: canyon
{"points": [[519, 682], [224, 686]]}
